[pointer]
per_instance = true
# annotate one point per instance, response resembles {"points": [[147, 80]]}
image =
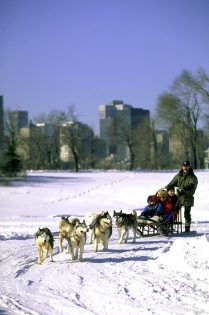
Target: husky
{"points": [[102, 227], [78, 240], [65, 228], [91, 220], [45, 244], [124, 223]]}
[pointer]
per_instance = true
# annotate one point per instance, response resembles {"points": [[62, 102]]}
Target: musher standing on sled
{"points": [[186, 182]]}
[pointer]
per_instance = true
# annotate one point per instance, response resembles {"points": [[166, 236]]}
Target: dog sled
{"points": [[158, 225], [167, 223]]}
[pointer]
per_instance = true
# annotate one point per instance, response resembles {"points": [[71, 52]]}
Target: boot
{"points": [[187, 226]]}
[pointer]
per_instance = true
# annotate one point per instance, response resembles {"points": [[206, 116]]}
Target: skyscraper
{"points": [[131, 118], [21, 118], [1, 121]]}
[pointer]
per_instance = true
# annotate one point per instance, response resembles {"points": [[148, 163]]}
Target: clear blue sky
{"points": [[55, 53]]}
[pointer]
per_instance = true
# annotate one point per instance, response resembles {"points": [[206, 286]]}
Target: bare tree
{"points": [[119, 134], [11, 129], [131, 135], [75, 135], [200, 83], [46, 139], [156, 147], [142, 145], [89, 150], [182, 109]]}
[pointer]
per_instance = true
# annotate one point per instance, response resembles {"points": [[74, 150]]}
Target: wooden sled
{"points": [[152, 227]]}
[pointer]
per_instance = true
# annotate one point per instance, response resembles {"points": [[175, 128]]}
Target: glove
{"points": [[177, 191]]}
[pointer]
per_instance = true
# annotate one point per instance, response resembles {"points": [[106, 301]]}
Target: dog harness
{"points": [[41, 243], [78, 241]]}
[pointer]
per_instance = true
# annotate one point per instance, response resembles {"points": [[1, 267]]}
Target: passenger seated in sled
{"points": [[159, 212], [149, 217], [153, 207], [150, 214], [166, 215], [175, 200]]}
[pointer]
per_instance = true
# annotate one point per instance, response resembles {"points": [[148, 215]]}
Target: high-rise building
{"points": [[21, 118], [1, 105], [1, 121], [131, 117]]}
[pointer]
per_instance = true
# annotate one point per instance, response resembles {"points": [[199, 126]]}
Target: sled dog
{"points": [[65, 228], [102, 230], [90, 221], [124, 223], [45, 244], [78, 240]]}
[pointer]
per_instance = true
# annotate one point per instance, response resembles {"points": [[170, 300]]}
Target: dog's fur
{"points": [[78, 240], [65, 228], [102, 230], [45, 244], [124, 223]]}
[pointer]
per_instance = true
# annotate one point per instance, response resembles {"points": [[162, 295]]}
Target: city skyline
{"points": [[54, 54]]}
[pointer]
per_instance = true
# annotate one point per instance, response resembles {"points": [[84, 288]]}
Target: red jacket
{"points": [[166, 204]]}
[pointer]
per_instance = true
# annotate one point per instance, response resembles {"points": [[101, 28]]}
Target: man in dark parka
{"points": [[187, 182]]}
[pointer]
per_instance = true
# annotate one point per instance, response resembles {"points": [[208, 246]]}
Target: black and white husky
{"points": [[45, 244], [125, 222]]}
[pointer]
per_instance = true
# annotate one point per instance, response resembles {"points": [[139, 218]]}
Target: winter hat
{"points": [[152, 198], [162, 193], [170, 188], [185, 163]]}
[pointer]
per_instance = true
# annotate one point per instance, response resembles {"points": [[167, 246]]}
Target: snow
{"points": [[156, 275]]}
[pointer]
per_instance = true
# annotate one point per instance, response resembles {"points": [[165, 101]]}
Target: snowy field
{"points": [[156, 275]]}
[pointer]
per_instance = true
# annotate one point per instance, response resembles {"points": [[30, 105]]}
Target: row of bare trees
{"points": [[180, 113], [55, 141]]}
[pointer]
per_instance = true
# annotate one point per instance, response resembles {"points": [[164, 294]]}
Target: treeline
{"points": [[56, 141], [60, 141]]}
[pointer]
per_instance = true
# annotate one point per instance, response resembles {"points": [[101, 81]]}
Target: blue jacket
{"points": [[151, 210]]}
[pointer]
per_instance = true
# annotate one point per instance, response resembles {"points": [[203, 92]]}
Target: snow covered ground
{"points": [[156, 275]]}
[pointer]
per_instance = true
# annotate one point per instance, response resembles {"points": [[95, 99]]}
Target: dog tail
{"points": [[134, 213]]}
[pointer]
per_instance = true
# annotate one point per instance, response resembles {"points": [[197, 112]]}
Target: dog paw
{"points": [[51, 260]]}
